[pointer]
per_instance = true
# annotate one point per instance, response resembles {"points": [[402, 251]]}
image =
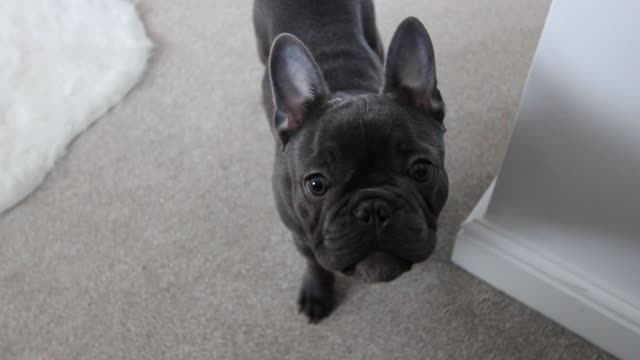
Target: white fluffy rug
{"points": [[63, 64]]}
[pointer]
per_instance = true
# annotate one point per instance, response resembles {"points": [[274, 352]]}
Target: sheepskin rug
{"points": [[63, 64]]}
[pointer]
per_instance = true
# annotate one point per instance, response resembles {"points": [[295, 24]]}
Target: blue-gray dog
{"points": [[359, 174]]}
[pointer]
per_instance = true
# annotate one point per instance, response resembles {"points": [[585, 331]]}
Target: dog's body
{"points": [[359, 173]]}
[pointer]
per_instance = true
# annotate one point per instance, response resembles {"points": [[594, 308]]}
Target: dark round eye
{"points": [[316, 185], [422, 171]]}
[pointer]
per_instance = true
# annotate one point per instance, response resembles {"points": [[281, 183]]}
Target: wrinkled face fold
{"points": [[369, 186]]}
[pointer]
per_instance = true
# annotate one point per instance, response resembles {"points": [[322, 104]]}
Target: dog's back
{"points": [[341, 35]]}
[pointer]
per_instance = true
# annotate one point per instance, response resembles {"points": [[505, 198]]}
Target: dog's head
{"points": [[366, 172]]}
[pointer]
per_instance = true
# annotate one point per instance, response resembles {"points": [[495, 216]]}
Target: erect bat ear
{"points": [[410, 71], [296, 83]]}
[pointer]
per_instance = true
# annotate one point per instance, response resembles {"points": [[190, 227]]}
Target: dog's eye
{"points": [[317, 185], [422, 171]]}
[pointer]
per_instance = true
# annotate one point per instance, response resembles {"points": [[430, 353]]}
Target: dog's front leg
{"points": [[317, 297]]}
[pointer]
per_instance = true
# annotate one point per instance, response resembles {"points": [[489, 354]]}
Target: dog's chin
{"points": [[378, 267]]}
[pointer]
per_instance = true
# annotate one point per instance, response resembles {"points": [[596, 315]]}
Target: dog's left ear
{"points": [[410, 71]]}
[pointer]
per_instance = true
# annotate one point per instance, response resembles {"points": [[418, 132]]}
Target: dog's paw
{"points": [[315, 301]]}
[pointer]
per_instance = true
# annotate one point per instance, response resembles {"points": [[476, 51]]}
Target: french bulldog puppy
{"points": [[359, 174]]}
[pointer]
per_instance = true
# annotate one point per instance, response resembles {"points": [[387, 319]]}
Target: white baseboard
{"points": [[562, 295]]}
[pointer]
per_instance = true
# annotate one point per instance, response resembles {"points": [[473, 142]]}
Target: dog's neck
{"points": [[349, 67]]}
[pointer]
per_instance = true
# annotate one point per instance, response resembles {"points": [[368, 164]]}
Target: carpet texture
{"points": [[63, 64], [156, 236]]}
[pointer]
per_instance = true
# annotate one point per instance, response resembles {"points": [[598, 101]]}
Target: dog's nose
{"points": [[373, 211]]}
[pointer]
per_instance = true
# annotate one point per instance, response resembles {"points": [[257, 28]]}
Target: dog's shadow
{"points": [[343, 287]]}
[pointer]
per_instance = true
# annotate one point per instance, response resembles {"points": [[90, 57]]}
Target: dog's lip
{"points": [[351, 269]]}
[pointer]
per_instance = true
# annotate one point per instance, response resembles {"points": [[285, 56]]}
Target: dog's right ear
{"points": [[296, 83]]}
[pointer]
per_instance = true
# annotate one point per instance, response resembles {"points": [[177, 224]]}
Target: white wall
{"points": [[574, 160], [569, 188]]}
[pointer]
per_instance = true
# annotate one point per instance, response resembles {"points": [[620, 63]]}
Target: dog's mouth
{"points": [[378, 267]]}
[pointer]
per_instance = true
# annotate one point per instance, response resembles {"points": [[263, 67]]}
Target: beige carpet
{"points": [[156, 237]]}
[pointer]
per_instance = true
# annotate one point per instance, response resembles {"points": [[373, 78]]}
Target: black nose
{"points": [[373, 211]]}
